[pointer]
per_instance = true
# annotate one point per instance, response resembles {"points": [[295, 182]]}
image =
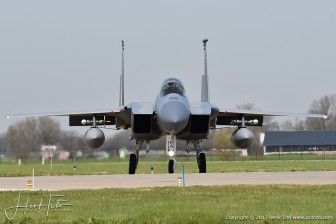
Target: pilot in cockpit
{"points": [[172, 87]]}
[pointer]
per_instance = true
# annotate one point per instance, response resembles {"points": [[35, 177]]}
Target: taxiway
{"points": [[159, 180]]}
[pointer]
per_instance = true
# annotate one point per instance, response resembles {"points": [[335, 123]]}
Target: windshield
{"points": [[172, 87]]}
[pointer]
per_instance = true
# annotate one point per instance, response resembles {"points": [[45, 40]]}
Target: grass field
{"points": [[87, 167], [243, 204], [189, 205]]}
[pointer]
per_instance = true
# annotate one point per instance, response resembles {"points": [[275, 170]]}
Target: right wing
{"points": [[120, 117], [76, 118]]}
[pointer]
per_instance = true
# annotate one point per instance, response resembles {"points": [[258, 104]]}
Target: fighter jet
{"points": [[171, 115]]}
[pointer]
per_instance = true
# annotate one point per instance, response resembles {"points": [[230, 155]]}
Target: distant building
{"points": [[299, 141]]}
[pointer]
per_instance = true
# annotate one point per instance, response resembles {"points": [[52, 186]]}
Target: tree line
{"points": [[26, 136]]}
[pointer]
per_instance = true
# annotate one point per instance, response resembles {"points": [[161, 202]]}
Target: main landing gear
{"points": [[134, 157], [201, 162], [133, 163], [200, 156]]}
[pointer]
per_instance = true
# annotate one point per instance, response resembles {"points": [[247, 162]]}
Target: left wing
{"points": [[253, 117]]}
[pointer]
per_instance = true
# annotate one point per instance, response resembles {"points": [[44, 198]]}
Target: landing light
{"points": [[171, 153]]}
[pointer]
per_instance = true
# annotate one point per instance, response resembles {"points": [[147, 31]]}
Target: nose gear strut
{"points": [[171, 150]]}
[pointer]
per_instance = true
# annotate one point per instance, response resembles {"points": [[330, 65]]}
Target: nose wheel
{"points": [[171, 165]]}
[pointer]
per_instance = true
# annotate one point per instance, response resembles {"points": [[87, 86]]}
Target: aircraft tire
{"points": [[132, 163], [202, 163], [171, 164]]}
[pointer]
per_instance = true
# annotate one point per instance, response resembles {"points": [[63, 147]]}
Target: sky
{"points": [[65, 55]]}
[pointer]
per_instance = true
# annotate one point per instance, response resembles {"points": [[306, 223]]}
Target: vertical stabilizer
{"points": [[205, 95], [121, 88]]}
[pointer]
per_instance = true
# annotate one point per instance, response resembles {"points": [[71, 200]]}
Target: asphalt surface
{"points": [[159, 180]]}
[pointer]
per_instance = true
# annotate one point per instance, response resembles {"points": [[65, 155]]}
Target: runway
{"points": [[159, 180]]}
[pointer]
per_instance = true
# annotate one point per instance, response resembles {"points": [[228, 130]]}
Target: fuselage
{"points": [[172, 107]]}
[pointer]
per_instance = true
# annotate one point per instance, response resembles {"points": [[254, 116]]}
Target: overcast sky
{"points": [[65, 55]]}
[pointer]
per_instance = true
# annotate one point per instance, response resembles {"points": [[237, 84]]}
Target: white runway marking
{"points": [[158, 180]]}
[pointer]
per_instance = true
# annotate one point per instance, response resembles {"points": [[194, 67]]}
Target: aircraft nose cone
{"points": [[173, 117]]}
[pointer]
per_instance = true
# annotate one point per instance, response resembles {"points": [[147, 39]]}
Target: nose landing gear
{"points": [[170, 150]]}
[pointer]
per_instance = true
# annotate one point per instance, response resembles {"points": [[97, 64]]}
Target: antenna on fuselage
{"points": [[121, 88], [205, 95]]}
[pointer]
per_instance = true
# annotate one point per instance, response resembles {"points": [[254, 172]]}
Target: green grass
{"points": [[299, 156], [89, 167], [276, 156], [189, 205]]}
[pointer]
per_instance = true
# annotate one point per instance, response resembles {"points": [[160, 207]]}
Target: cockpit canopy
{"points": [[172, 87]]}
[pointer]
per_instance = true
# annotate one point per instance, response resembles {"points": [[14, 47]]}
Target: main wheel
{"points": [[171, 165], [132, 163], [201, 163]]}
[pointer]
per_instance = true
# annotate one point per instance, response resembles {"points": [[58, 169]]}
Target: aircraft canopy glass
{"points": [[172, 87]]}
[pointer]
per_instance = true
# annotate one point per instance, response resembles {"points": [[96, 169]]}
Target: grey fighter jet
{"points": [[170, 115]]}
